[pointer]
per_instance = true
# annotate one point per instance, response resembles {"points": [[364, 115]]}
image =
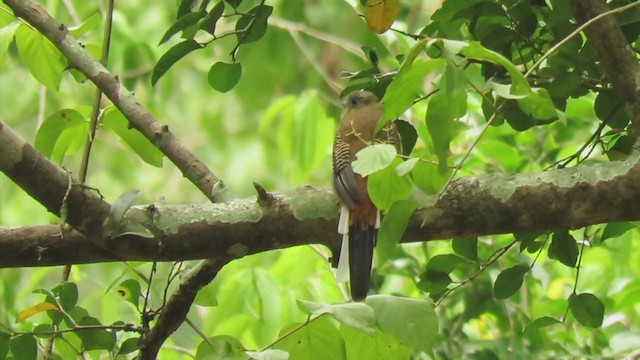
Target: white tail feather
{"points": [[378, 219], [342, 274]]}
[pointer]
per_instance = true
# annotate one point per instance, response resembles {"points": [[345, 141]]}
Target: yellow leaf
{"points": [[380, 14], [26, 313]]}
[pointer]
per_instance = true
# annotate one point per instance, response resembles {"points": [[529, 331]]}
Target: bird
{"points": [[359, 218]]}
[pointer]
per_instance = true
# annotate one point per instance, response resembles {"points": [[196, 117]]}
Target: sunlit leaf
{"points": [[393, 226], [385, 186], [43, 60], [130, 291], [318, 339], [357, 315], [412, 322], [380, 14], [224, 347], [374, 158], [36, 309], [112, 119]]}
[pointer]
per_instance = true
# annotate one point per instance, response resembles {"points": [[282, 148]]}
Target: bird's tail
{"points": [[362, 239]]}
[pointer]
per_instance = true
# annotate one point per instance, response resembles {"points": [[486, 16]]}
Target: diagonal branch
{"points": [[139, 118], [617, 58]]}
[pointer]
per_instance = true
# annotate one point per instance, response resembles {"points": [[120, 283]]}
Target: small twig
{"points": [[292, 331], [495, 256]]}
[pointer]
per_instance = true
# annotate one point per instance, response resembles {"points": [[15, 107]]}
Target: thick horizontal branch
{"points": [[139, 118], [494, 204]]}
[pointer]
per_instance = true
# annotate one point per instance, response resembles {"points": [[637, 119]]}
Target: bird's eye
{"points": [[353, 101]]}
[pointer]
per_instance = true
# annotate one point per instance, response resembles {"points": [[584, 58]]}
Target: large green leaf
{"points": [[393, 226], [374, 158], [406, 87], [357, 315], [385, 186], [115, 121], [43, 60], [360, 345], [412, 322], [61, 134], [317, 339]]}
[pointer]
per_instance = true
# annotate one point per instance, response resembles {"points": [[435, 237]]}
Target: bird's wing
{"points": [[344, 180]]}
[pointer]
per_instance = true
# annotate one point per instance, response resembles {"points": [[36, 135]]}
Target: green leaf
{"points": [[412, 322], [374, 158], [614, 230], [61, 134], [67, 295], [224, 347], [5, 340], [181, 24], [43, 60], [115, 121], [118, 209], [357, 315], [467, 247], [223, 77], [408, 136], [405, 87], [128, 346], [269, 354], [526, 239], [90, 23], [538, 105], [475, 50], [445, 263], [442, 114], [564, 248], [509, 281], [428, 178], [99, 339], [252, 27], [385, 186], [405, 167], [130, 291], [172, 55], [434, 281], [541, 322], [393, 226], [360, 345], [208, 24], [587, 309], [6, 38], [43, 331], [317, 339], [24, 347]]}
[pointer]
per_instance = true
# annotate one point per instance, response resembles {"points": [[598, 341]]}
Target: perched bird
{"points": [[359, 218]]}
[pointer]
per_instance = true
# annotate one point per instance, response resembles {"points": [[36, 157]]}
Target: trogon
{"points": [[359, 217]]}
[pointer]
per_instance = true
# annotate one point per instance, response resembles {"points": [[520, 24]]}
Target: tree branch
{"points": [[50, 185], [139, 118], [617, 58], [475, 206]]}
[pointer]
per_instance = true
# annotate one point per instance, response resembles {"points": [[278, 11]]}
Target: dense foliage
{"points": [[252, 88]]}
